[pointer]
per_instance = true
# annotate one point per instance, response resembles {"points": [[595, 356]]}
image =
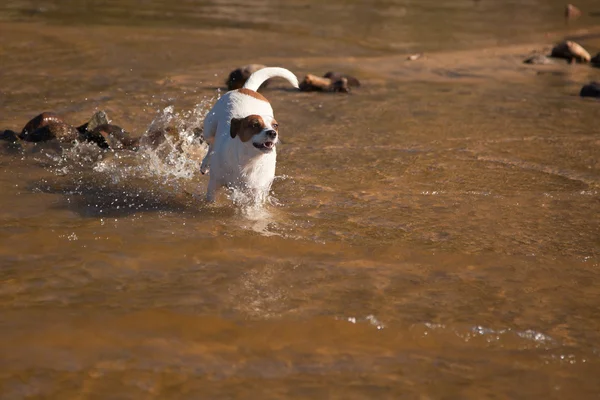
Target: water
{"points": [[434, 234]]}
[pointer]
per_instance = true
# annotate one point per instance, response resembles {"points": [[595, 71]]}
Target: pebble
{"points": [[9, 136], [571, 51], [592, 89], [99, 118]]}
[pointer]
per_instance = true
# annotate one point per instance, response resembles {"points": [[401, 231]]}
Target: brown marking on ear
{"points": [[246, 127], [252, 93]]}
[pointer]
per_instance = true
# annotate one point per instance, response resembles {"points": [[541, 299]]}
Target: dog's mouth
{"points": [[266, 146]]}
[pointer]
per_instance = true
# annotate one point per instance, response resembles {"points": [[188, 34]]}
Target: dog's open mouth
{"points": [[266, 146]]}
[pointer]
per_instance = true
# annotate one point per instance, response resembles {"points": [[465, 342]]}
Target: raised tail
{"points": [[260, 76]]}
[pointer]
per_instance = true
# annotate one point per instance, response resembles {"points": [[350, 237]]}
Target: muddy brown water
{"points": [[435, 233]]}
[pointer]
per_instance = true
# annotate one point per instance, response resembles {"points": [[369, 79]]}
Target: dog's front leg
{"points": [[211, 192], [205, 167]]}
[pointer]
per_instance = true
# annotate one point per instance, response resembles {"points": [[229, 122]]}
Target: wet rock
{"points": [[539, 59], [48, 126], [99, 118], [570, 51], [312, 83], [592, 89], [336, 76], [596, 60], [9, 136], [571, 11], [239, 76], [109, 136]]}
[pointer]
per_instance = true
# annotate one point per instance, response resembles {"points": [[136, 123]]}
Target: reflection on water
{"points": [[433, 234]]}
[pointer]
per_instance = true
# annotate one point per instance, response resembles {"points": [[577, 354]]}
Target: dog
{"points": [[242, 136]]}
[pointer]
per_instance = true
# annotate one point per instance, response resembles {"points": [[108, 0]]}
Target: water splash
{"points": [[163, 174]]}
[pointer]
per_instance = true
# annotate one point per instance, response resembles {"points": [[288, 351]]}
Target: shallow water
{"points": [[434, 234]]}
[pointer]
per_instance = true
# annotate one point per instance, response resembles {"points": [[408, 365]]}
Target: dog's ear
{"points": [[236, 126]]}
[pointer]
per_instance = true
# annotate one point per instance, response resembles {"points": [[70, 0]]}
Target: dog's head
{"points": [[259, 131]]}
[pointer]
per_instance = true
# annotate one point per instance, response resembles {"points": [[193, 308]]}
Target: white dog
{"points": [[242, 134]]}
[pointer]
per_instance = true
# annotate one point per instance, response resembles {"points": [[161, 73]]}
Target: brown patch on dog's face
{"points": [[247, 127], [252, 93]]}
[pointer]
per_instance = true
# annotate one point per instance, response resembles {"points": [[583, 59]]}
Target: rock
{"points": [[239, 76], [596, 61], [157, 136], [571, 11], [336, 76], [99, 118], [592, 89], [571, 51], [111, 136], [48, 126], [9, 136], [313, 83], [414, 57], [539, 59]]}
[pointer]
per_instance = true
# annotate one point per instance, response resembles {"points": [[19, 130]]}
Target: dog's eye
{"points": [[275, 126], [255, 124]]}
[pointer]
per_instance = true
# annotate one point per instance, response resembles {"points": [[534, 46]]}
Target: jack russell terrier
{"points": [[242, 134]]}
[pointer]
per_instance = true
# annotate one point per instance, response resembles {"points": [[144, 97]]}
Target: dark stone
{"points": [[99, 118], [336, 76], [239, 76], [313, 83], [596, 61], [9, 136], [539, 59], [592, 89], [48, 126], [340, 85], [111, 136]]}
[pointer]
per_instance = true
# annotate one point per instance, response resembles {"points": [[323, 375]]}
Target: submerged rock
{"points": [[99, 118], [109, 136], [239, 76], [9, 136], [570, 51], [592, 89], [157, 136], [571, 11], [539, 59], [312, 83], [48, 126]]}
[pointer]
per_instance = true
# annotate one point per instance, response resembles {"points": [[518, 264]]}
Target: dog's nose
{"points": [[271, 133]]}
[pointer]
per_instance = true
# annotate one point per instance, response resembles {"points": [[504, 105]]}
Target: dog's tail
{"points": [[260, 76]]}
